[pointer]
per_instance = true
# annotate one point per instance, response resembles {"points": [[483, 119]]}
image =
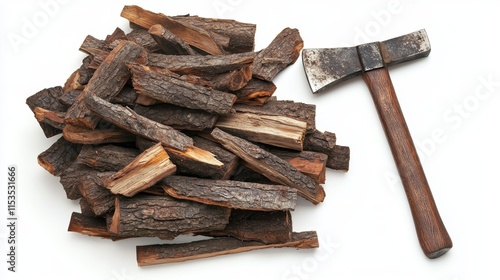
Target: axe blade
{"points": [[325, 67]]}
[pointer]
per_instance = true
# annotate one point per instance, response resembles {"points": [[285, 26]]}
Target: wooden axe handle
{"points": [[431, 232]]}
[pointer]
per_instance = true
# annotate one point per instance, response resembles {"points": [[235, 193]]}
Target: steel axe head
{"points": [[326, 67]]}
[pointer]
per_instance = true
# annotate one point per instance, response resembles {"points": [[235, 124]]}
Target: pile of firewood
{"points": [[172, 129]]}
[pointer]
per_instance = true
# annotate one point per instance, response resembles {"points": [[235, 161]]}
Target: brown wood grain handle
{"points": [[431, 232]]}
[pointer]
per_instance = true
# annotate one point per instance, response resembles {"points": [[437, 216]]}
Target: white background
{"points": [[450, 101]]}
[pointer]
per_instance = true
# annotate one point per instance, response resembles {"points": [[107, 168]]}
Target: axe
{"points": [[327, 67]]}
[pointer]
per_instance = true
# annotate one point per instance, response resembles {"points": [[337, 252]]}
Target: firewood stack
{"points": [[172, 129]]}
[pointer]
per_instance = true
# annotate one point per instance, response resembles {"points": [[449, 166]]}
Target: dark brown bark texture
{"points": [[266, 227], [113, 69], [231, 194], [59, 156], [269, 165], [165, 217], [168, 253], [170, 89], [47, 99]]}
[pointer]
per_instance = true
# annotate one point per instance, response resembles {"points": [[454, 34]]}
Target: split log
{"points": [[265, 227], [201, 65], [113, 69], [283, 51], [47, 99], [129, 120], [195, 37], [178, 117], [107, 157], [271, 166], [255, 92], [229, 160], [169, 253], [174, 141], [171, 89], [144, 171], [297, 110], [312, 164], [191, 166], [104, 133], [59, 156], [169, 43], [231, 194], [279, 131], [164, 217], [240, 35]]}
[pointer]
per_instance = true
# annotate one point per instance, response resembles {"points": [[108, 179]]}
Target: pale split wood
{"points": [[145, 170], [280, 131]]}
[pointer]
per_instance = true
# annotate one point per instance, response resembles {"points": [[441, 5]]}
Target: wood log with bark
{"points": [[164, 217], [174, 141], [59, 156], [169, 88], [266, 227], [195, 37], [271, 166], [283, 51], [169, 253], [231, 194]]}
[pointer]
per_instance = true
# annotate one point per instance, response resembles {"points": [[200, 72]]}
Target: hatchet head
{"points": [[326, 67]]}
